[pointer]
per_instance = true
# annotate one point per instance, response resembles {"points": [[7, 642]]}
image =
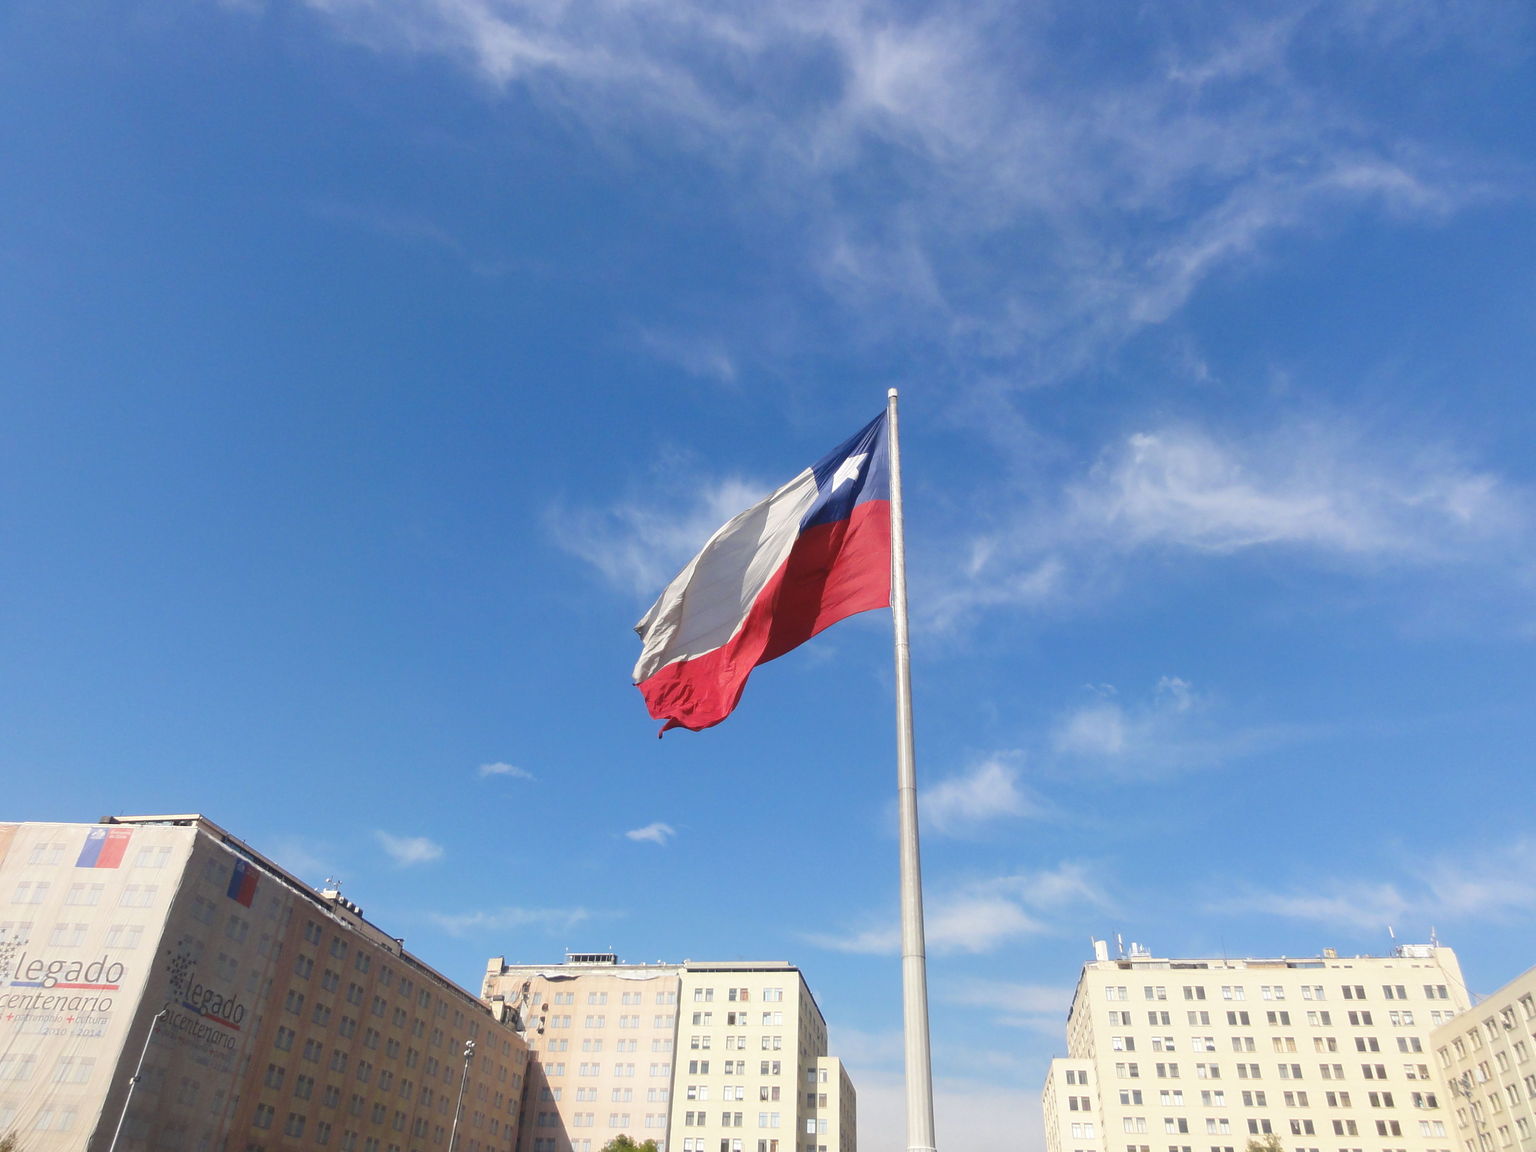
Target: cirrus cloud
{"points": [[510, 771], [1495, 884], [990, 791], [654, 833], [409, 851], [980, 915]]}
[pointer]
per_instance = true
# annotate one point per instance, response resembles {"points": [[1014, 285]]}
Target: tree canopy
{"points": [[627, 1144]]}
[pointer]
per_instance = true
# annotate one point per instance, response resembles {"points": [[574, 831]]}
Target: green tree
{"points": [[617, 1144], [1270, 1143], [10, 1142]]}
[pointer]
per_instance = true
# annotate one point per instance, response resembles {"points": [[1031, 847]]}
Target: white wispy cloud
{"points": [[511, 771], [983, 144], [1496, 884], [1027, 215], [990, 791], [407, 851], [639, 545], [706, 357], [1314, 488], [1172, 728], [486, 921], [1323, 493], [1129, 189], [653, 833], [981, 915], [1038, 1007]]}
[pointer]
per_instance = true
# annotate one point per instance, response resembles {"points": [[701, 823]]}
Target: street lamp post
{"points": [[469, 1054], [138, 1074]]}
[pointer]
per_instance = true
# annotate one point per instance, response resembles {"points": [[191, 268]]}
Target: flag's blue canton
{"points": [[837, 489]]}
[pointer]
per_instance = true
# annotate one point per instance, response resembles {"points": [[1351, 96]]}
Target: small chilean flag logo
{"points": [[104, 848], [242, 882]]}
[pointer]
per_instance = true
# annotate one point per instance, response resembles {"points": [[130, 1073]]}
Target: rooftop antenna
{"points": [[1120, 945]]}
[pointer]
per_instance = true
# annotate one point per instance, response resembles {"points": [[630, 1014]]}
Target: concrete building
{"points": [[837, 1108], [1484, 1058], [262, 1015], [728, 1057], [1327, 1054], [601, 1036]]}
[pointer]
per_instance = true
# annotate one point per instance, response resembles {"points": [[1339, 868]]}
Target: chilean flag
{"points": [[242, 882], [103, 848], [815, 551]]}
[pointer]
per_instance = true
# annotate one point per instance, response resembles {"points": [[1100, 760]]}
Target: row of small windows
{"points": [[54, 854], [561, 1021], [557, 1068], [586, 1095], [86, 894], [703, 995], [706, 1019], [18, 1067], [739, 1068], [735, 1043], [1206, 1071], [1278, 1043], [1484, 1141], [595, 1044], [1276, 992], [765, 1092], [1259, 1098], [1495, 1100], [1220, 1125], [1399, 1018], [1493, 1027], [626, 999]]}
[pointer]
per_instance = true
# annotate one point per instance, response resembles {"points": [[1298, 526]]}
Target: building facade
{"points": [[1326, 1054], [728, 1057], [159, 976], [601, 1037], [1485, 1060]]}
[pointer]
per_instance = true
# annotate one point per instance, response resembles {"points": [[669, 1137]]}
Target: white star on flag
{"points": [[848, 470]]}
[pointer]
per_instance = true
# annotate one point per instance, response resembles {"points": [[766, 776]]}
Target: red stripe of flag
{"points": [[833, 571]]}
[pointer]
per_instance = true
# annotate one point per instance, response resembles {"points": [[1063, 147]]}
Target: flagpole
{"points": [[914, 965]]}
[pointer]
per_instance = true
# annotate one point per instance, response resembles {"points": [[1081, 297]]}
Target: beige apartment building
{"points": [[601, 1036], [258, 1014], [728, 1057], [1328, 1053], [1484, 1058]]}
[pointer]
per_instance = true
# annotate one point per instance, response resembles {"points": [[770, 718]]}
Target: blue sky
{"points": [[367, 368]]}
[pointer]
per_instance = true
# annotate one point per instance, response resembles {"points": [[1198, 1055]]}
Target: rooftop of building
{"points": [[329, 901], [1139, 956], [577, 964], [599, 961]]}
